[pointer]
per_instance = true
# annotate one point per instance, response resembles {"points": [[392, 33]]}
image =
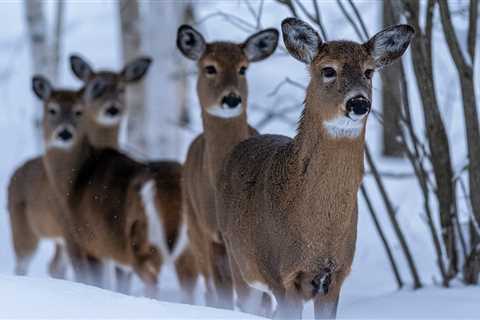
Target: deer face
{"points": [[341, 72], [63, 111], [105, 90], [222, 85]]}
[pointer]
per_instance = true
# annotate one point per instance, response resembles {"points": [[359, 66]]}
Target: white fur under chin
{"points": [[156, 232], [108, 121], [56, 143], [225, 113], [344, 127]]}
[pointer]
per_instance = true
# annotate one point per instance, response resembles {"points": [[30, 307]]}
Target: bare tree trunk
{"points": [[165, 90], [466, 78], [436, 133], [131, 37], [37, 34], [391, 96], [57, 40]]}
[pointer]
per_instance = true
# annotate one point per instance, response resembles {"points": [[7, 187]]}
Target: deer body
{"points": [[222, 91], [290, 205]]}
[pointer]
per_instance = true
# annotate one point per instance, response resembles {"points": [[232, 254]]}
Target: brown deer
{"points": [[162, 196], [31, 200], [98, 190], [288, 207], [222, 92]]}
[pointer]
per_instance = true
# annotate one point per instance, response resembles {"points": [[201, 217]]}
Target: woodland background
{"points": [[420, 202]]}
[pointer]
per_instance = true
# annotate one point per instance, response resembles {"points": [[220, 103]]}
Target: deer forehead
{"points": [[66, 100], [223, 55], [340, 53]]}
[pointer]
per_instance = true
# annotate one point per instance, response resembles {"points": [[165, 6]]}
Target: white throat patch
{"points": [[108, 121], [225, 112], [343, 127]]}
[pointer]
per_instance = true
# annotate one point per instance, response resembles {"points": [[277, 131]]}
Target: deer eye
{"points": [[52, 111], [78, 113], [369, 73], [242, 71], [329, 73], [210, 70]]}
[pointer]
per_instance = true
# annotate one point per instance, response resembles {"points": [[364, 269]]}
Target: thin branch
{"points": [[350, 20], [359, 18]]}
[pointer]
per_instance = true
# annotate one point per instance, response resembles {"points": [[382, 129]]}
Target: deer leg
{"points": [[78, 259], [290, 304], [97, 271], [187, 275], [222, 276], [326, 305], [58, 265], [123, 280], [249, 300], [25, 242]]}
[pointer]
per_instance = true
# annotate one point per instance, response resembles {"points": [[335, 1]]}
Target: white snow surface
{"points": [[369, 292]]}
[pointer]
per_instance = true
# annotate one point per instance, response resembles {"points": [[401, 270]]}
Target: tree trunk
{"points": [[165, 89], [466, 78], [37, 34], [391, 96], [57, 40], [131, 39]]}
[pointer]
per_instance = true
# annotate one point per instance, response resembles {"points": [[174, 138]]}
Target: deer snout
{"points": [[232, 100], [65, 135], [357, 107], [112, 111]]}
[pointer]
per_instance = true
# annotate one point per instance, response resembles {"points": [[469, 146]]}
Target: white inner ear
{"points": [[253, 49], [196, 50], [305, 40], [388, 41], [225, 113], [343, 127]]}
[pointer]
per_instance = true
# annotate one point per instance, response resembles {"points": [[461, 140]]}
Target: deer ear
{"points": [[301, 40], [260, 45], [80, 68], [389, 44], [190, 42], [41, 87], [94, 89], [136, 70]]}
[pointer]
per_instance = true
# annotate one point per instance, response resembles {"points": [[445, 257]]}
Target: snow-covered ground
{"points": [[369, 292]]}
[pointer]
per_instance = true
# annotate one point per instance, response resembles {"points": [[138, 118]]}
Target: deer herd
{"points": [[269, 222]]}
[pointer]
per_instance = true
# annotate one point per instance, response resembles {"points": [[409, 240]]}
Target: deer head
{"points": [[63, 111], [222, 85], [105, 90], [341, 73]]}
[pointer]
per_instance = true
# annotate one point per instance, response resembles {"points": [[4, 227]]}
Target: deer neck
{"points": [[221, 135], [103, 136], [63, 166], [328, 170]]}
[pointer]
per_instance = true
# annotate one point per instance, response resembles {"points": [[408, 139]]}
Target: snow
{"points": [[369, 292]]}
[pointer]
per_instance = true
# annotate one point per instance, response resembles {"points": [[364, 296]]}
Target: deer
{"points": [[31, 201], [287, 208], [222, 92], [162, 196]]}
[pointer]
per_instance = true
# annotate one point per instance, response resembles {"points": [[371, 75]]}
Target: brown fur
{"points": [[206, 153], [290, 205]]}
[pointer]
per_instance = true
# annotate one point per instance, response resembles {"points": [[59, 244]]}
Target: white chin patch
{"points": [[108, 121], [344, 127], [225, 112], [55, 143]]}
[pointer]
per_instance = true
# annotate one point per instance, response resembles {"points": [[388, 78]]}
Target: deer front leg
{"points": [[290, 304], [222, 276], [58, 265], [123, 280], [187, 273], [78, 259], [326, 305], [97, 271]]}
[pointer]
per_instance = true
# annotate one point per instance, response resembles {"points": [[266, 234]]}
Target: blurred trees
{"points": [[45, 49]]}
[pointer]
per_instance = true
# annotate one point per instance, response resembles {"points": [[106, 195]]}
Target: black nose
{"points": [[359, 105], [232, 100], [65, 135], [112, 111]]}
